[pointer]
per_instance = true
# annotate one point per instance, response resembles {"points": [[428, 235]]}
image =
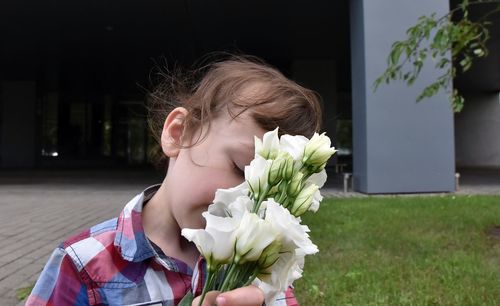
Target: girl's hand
{"points": [[245, 296]]}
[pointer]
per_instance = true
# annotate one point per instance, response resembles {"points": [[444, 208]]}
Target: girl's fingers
{"points": [[209, 299], [245, 296]]}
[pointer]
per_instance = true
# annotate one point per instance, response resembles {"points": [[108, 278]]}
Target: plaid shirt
{"points": [[114, 263]]}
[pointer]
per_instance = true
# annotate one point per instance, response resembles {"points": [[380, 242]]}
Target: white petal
{"points": [[253, 236], [293, 234], [316, 201], [268, 146], [224, 197], [201, 238], [219, 209], [241, 205], [294, 145], [256, 173], [318, 179], [229, 195]]}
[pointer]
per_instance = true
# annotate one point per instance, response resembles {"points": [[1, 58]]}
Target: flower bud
{"points": [[303, 200], [288, 167], [317, 152], [275, 171], [295, 184], [269, 255]]}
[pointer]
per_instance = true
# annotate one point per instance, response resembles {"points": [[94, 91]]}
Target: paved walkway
{"points": [[39, 209]]}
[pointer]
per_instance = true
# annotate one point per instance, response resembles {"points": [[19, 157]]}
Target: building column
{"points": [[399, 145]]}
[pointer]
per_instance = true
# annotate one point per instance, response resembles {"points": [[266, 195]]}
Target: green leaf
{"points": [[187, 300], [450, 34], [442, 63], [457, 101], [411, 80], [395, 54]]}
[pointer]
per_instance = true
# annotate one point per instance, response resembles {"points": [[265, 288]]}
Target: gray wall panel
{"points": [[400, 145]]}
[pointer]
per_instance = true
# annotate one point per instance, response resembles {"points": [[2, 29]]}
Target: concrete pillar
{"points": [[399, 145], [18, 125]]}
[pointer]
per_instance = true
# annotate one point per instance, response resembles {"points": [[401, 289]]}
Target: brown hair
{"points": [[236, 85]]}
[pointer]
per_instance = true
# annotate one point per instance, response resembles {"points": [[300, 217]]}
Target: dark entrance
{"points": [[87, 67]]}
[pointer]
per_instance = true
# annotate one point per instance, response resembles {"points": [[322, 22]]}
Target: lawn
{"points": [[436, 250]]}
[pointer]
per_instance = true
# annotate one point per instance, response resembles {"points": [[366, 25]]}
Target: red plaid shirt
{"points": [[114, 263]]}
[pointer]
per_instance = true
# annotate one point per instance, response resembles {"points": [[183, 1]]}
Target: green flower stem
{"points": [[252, 278], [207, 286], [244, 273], [228, 277], [282, 194], [261, 198]]}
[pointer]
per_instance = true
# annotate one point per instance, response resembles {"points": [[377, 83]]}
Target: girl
{"points": [[206, 133]]}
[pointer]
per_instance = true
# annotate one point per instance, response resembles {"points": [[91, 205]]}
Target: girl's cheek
{"points": [[227, 179]]}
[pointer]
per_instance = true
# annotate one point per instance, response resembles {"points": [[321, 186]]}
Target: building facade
{"points": [[74, 79]]}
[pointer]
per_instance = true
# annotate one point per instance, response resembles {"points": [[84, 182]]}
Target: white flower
{"points": [[270, 293], [317, 151], [318, 179], [239, 207], [269, 146], [208, 240], [287, 269], [252, 237], [256, 175], [229, 195], [234, 209], [293, 235], [317, 198], [224, 197], [294, 145]]}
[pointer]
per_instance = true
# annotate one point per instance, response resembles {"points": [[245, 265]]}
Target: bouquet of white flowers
{"points": [[253, 232]]}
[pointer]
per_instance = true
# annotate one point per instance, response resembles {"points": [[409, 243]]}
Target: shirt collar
{"points": [[134, 246], [130, 238]]}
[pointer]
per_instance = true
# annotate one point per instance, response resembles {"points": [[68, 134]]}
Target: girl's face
{"points": [[216, 162]]}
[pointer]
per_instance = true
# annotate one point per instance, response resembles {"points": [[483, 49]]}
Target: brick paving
{"points": [[40, 208]]}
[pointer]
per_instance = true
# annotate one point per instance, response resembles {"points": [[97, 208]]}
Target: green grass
{"points": [[23, 293], [403, 251]]}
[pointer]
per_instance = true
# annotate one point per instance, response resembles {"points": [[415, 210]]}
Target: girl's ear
{"points": [[173, 128]]}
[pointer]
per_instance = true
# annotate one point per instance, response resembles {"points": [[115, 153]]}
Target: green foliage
{"points": [[23, 293], [452, 35], [434, 250]]}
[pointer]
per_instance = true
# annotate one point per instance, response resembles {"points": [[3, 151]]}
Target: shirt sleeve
{"points": [[59, 283]]}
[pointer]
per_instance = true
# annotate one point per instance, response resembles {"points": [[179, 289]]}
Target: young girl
{"points": [[207, 134]]}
